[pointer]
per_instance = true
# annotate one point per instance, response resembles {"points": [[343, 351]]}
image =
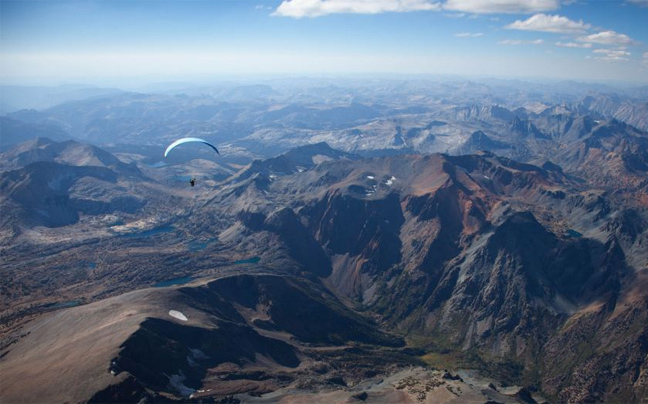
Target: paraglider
{"points": [[178, 142], [189, 140]]}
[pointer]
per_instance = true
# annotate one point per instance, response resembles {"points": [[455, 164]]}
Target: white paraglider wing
{"points": [[189, 140]]}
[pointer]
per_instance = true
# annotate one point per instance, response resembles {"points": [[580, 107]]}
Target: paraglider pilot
{"points": [[189, 140]]}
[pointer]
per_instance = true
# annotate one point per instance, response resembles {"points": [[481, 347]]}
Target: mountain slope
{"points": [[173, 342]]}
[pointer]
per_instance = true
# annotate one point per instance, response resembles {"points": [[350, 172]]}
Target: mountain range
{"points": [[441, 252]]}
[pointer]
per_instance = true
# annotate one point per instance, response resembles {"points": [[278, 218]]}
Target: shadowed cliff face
{"points": [[300, 309], [301, 245], [360, 236], [161, 348]]}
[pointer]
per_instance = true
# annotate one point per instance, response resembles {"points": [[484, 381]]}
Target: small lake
{"points": [[573, 233], [197, 245], [173, 282], [253, 260]]}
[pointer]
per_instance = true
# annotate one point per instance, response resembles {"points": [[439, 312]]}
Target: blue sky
{"points": [[53, 41]]}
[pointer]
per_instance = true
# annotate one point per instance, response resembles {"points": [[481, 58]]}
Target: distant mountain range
{"points": [[368, 120], [15, 98]]}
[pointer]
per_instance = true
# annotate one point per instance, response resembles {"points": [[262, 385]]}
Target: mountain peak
{"points": [[68, 152]]}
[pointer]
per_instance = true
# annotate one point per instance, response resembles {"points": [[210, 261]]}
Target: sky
{"points": [[91, 41]]}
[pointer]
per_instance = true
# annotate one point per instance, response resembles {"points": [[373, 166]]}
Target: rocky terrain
{"points": [[361, 117], [510, 268]]}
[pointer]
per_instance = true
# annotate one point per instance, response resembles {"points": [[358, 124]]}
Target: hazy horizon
{"points": [[99, 42], [131, 83]]}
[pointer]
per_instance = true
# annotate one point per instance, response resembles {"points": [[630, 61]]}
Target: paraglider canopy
{"points": [[189, 140]]}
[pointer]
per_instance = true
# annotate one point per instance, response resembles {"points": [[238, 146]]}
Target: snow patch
{"points": [[371, 177], [178, 315]]}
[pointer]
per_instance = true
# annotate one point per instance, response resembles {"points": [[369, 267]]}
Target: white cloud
{"points": [[642, 3], [607, 38], [521, 42], [469, 34], [550, 23], [455, 15], [612, 55], [318, 8], [574, 45], [502, 6]]}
